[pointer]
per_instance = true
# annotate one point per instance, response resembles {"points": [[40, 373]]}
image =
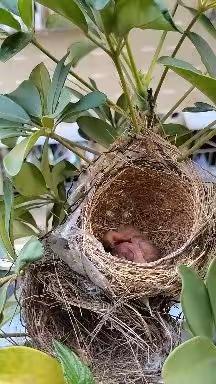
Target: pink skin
{"points": [[131, 245]]}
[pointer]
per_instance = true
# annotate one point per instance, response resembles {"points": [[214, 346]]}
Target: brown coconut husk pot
{"points": [[114, 312]]}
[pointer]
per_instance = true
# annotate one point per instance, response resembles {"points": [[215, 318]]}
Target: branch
{"points": [[117, 63], [159, 48], [133, 67], [206, 136], [70, 146], [9, 335], [178, 46], [187, 93], [74, 74]]}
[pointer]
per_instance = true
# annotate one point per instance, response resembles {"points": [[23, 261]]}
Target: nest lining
{"points": [[156, 203]]}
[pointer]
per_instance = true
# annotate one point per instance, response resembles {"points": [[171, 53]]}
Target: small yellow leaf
{"points": [[23, 365]]}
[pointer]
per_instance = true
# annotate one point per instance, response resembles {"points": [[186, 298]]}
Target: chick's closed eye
{"points": [[130, 244]]}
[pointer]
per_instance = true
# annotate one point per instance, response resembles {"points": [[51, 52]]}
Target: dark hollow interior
{"points": [[157, 203]]}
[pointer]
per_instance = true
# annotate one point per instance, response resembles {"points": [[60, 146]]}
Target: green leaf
{"points": [[5, 238], [28, 97], [205, 84], [98, 4], [9, 110], [55, 21], [58, 81], [177, 134], [25, 217], [64, 100], [10, 141], [79, 50], [75, 371], [192, 362], [195, 303], [207, 24], [8, 206], [175, 129], [144, 14], [41, 79], [13, 161], [62, 171], [36, 184], [91, 100], [14, 44], [122, 102], [203, 19], [26, 10], [199, 107], [3, 295], [21, 365], [45, 166], [11, 309], [6, 18], [107, 15], [68, 9], [30, 253], [58, 213], [21, 229], [211, 286], [97, 130], [10, 133], [207, 55], [9, 124], [10, 5]]}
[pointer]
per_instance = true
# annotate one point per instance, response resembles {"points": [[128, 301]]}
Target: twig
{"points": [[202, 140], [66, 144], [12, 335], [178, 46], [74, 74], [159, 48], [117, 63], [187, 93], [133, 67]]}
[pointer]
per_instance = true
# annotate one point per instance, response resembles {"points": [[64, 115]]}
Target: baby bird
{"points": [[128, 243]]}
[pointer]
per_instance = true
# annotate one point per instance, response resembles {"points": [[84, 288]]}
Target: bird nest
{"points": [[140, 182], [122, 341], [115, 312]]}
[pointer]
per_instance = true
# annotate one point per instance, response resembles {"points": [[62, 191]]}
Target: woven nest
{"points": [[124, 341], [97, 303], [140, 182]]}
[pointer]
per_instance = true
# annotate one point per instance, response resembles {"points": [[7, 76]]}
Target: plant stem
{"points": [[159, 48], [53, 58], [83, 147], [155, 57], [133, 66], [117, 63], [9, 335], [203, 139], [177, 104], [178, 46], [194, 138], [69, 146], [6, 279], [98, 43], [77, 77]]}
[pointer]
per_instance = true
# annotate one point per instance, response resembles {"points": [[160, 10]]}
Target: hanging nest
{"points": [[140, 182], [113, 312]]}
